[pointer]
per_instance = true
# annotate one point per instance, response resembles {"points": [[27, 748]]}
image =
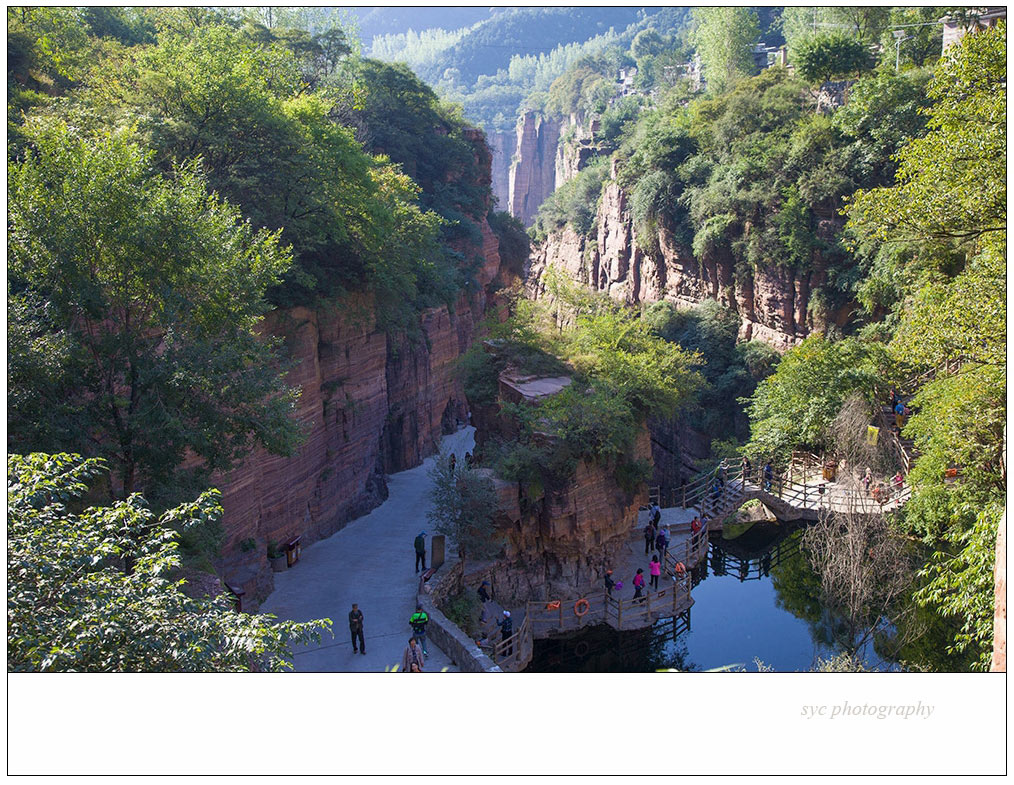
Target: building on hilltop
{"points": [[973, 20]]}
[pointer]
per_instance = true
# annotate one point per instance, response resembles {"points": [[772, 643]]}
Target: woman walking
{"points": [[655, 568]]}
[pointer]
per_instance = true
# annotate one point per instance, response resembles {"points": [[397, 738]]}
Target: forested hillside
{"points": [[841, 201], [206, 216]]}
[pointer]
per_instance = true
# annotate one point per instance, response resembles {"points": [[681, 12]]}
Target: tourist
{"points": [[656, 515], [649, 537], [419, 620], [746, 469], [412, 660], [769, 475], [695, 525], [893, 398], [667, 538], [484, 598], [867, 480], [638, 583], [899, 482], [899, 416], [660, 541], [609, 583], [655, 568], [506, 630], [716, 490], [420, 551], [356, 628], [454, 461]]}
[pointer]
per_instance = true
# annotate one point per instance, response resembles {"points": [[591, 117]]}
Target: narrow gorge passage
{"points": [[369, 562]]}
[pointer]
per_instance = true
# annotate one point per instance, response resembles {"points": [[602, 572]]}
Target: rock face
{"points": [[773, 301], [533, 166], [559, 542], [371, 404], [502, 145], [575, 148]]}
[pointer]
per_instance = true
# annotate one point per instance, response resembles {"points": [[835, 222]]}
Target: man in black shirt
{"points": [[356, 628]]}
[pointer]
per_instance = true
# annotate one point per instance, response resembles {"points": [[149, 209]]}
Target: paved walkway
{"points": [[371, 562]]}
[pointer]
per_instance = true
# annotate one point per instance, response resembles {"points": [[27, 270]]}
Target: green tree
{"points": [[795, 406], [464, 502], [951, 183], [948, 209], [148, 292], [831, 55], [71, 605], [724, 38]]}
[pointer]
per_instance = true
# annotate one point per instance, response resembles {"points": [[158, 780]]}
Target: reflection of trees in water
{"points": [[918, 638]]}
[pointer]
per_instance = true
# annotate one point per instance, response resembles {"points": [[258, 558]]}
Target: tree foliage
{"points": [[796, 405], [464, 502], [73, 605], [951, 183], [832, 55], [724, 38], [144, 293]]}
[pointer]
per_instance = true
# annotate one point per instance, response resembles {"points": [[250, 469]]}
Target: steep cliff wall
{"points": [[576, 147], [533, 165], [502, 144], [371, 404], [773, 301]]}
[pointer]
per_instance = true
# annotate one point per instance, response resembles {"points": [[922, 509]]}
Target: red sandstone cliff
{"points": [[558, 542], [533, 165], [371, 404]]}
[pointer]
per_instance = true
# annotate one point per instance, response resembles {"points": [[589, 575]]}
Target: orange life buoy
{"points": [[680, 568], [583, 604], [553, 606]]}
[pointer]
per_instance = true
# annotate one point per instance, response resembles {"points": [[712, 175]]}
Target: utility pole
{"points": [[899, 36]]}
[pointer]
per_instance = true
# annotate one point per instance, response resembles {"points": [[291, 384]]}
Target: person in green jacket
{"points": [[419, 620]]}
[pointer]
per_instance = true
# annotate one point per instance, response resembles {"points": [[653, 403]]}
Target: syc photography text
{"points": [[834, 711]]}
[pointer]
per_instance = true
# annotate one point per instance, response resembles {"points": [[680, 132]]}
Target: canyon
{"points": [[371, 403]]}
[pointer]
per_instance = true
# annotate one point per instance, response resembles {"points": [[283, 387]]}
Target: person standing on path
{"points": [[356, 628], [638, 583], [484, 598], [649, 537], [660, 541], [655, 568], [420, 551], [506, 630], [412, 660], [609, 583], [419, 620]]}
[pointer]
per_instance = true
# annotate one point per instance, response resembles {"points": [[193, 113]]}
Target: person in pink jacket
{"points": [[655, 568]]}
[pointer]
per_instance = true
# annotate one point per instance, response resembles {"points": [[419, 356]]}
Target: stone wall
{"points": [[446, 634]]}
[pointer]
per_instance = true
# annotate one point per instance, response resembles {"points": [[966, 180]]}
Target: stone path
{"points": [[371, 562]]}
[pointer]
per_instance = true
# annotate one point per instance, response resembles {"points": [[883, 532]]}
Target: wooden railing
{"points": [[515, 652]]}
